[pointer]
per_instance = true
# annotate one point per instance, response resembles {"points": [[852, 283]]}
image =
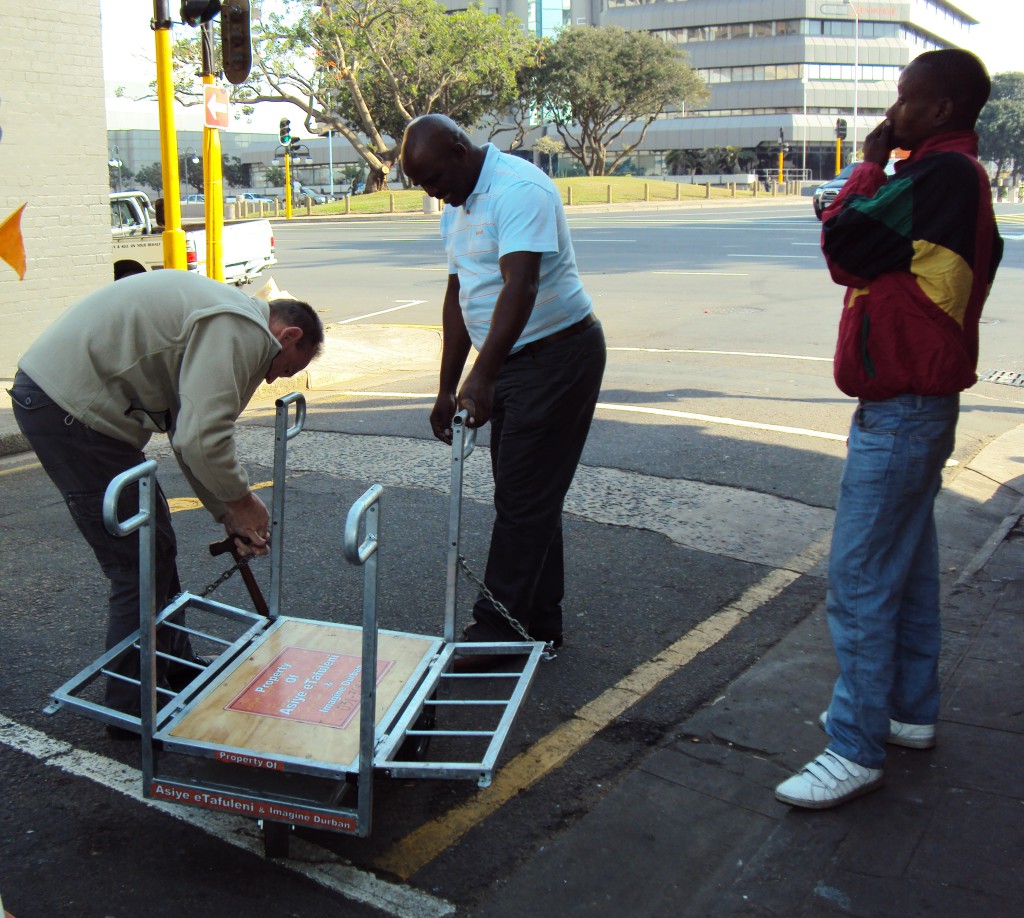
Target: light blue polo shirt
{"points": [[513, 208]]}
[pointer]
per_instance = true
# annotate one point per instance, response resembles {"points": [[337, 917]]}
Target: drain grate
{"points": [[1002, 377]]}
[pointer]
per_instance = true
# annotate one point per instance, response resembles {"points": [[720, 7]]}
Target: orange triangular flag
{"points": [[12, 245]]}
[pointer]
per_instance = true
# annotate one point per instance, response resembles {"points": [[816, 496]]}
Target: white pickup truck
{"points": [[247, 245]]}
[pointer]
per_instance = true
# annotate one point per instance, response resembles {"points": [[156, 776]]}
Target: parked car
{"points": [[247, 245], [254, 198], [826, 193], [312, 194], [194, 199]]}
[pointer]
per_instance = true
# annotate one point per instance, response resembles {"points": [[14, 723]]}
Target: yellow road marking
{"points": [[178, 504], [427, 842], [20, 468]]}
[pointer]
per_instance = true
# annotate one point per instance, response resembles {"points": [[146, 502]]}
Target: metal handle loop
{"points": [[118, 527], [468, 433], [356, 553], [299, 401]]}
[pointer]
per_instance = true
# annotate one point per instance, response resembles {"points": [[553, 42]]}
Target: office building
{"points": [[795, 66]]}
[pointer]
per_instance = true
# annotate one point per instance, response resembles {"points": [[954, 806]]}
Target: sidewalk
{"points": [[695, 829]]}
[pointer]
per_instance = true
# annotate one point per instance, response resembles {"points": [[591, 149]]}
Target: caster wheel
{"points": [[276, 838], [414, 749]]}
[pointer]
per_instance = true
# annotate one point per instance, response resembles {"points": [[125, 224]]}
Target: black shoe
{"points": [[182, 676], [480, 662]]}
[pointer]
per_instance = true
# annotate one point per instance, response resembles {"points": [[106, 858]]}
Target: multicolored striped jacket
{"points": [[918, 253]]}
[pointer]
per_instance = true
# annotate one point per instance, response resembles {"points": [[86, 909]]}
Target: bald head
{"points": [[438, 156], [434, 131]]}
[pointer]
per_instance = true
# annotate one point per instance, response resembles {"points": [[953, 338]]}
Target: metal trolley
{"points": [[282, 725]]}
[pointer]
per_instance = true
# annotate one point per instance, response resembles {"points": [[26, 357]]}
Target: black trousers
{"points": [[81, 463], [544, 403]]}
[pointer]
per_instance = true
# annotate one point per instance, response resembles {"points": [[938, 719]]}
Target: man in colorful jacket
{"points": [[918, 253]]}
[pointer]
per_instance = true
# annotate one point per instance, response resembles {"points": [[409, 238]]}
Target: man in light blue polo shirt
{"points": [[514, 294]]}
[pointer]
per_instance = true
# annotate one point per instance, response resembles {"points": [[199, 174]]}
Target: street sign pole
{"points": [[173, 236], [213, 183]]}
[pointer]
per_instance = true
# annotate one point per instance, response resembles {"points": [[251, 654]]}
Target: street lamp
{"points": [[856, 69], [189, 156], [115, 163]]}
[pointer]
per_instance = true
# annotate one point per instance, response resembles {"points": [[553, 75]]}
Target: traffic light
{"points": [[841, 128], [295, 146], [286, 132], [236, 46], [194, 12]]}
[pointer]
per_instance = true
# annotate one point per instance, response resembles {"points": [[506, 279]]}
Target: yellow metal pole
{"points": [[839, 156], [287, 186], [213, 184], [174, 235], [782, 157]]}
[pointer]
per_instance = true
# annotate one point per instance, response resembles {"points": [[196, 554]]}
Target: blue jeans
{"points": [[883, 597]]}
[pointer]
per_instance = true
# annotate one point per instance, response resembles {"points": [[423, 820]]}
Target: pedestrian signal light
{"points": [[295, 146], [236, 46], [286, 131], [195, 12], [841, 128]]}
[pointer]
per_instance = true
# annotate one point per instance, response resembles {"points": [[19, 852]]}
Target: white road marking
{"points": [[706, 273], [741, 255], [308, 860], [728, 422], [693, 350], [404, 305]]}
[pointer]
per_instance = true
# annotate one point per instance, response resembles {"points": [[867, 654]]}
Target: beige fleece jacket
{"points": [[167, 351]]}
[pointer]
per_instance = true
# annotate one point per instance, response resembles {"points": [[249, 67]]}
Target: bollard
{"points": [[429, 204], [609, 194], [391, 202], [647, 192], [753, 189], [707, 189], [732, 189], [775, 189], [679, 191], [569, 196], [348, 204], [309, 206]]}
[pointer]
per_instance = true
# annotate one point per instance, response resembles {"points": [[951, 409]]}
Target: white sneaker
{"points": [[828, 781], [912, 736]]}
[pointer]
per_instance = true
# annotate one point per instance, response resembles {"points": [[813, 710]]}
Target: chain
{"points": [[238, 565], [549, 653]]}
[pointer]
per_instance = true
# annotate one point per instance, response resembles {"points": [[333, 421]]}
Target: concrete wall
{"points": [[53, 156]]}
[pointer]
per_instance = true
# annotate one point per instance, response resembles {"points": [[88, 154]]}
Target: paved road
{"points": [[706, 492]]}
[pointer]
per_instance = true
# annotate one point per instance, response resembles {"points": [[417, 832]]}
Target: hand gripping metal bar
{"points": [[145, 475], [366, 510]]}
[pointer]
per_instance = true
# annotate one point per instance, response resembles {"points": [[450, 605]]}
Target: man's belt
{"points": [[534, 346]]}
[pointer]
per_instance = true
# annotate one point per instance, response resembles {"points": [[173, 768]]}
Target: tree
{"points": [[236, 173], [273, 176], [548, 148], [1001, 125], [120, 176], [597, 82], [192, 172], [365, 68], [151, 177]]}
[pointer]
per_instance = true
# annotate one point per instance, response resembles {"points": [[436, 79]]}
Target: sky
{"points": [[128, 53], [996, 39]]}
